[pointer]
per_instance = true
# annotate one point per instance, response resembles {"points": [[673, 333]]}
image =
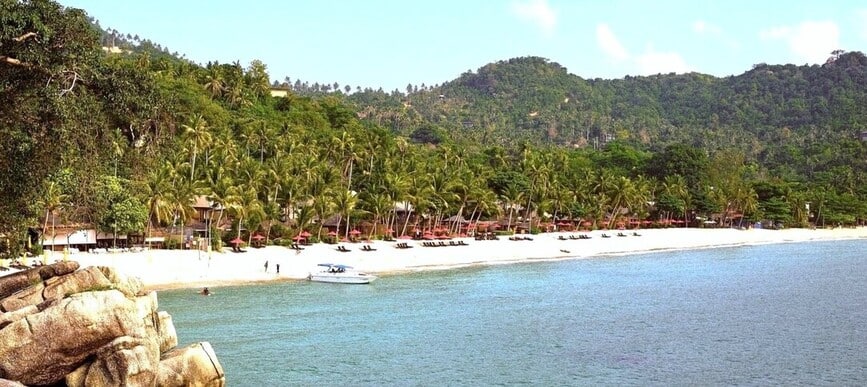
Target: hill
{"points": [[536, 100]]}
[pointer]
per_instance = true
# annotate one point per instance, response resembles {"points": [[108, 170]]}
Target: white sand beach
{"points": [[164, 269]]}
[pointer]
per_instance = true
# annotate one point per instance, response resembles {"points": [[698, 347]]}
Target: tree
{"points": [[46, 53], [122, 213], [198, 136]]}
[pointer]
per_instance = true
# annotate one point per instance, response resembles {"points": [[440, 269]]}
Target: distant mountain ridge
{"points": [[536, 100]]}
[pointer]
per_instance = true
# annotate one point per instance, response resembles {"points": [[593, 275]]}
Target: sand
{"points": [[165, 269]]}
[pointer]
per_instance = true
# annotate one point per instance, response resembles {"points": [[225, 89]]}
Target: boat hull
{"points": [[342, 278]]}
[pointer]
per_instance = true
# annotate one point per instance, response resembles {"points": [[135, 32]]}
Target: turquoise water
{"points": [[789, 314]]}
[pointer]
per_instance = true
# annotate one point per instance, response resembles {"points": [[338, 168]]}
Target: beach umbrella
{"points": [[237, 241], [297, 238], [428, 236], [305, 234], [332, 234], [389, 231], [258, 237], [404, 237], [354, 232]]}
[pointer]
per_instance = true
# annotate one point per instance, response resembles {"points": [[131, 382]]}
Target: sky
{"points": [[392, 43]]}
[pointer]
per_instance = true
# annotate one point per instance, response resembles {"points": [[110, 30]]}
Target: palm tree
{"points": [[51, 200], [244, 204], [511, 197], [378, 204], [199, 136], [344, 203], [182, 195], [675, 186], [158, 194], [214, 83]]}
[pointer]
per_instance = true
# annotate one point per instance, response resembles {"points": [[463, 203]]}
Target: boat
{"points": [[340, 274]]}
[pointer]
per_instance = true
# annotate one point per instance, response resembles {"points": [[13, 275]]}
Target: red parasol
{"points": [[332, 234], [354, 232], [305, 234], [258, 237], [237, 241], [297, 238]]}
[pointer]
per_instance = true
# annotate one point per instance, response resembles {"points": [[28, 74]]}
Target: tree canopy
{"points": [[126, 139]]}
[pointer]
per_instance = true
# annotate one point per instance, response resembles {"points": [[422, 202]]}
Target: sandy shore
{"points": [[164, 269]]}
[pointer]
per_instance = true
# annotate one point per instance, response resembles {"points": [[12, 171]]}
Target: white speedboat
{"points": [[340, 274]]}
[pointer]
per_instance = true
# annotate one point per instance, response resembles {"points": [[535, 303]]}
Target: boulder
{"points": [[43, 347], [195, 365], [126, 361], [24, 297], [88, 279], [93, 327], [168, 337], [9, 317], [12, 283], [131, 286]]}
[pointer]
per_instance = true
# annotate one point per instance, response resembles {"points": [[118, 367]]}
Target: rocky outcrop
{"points": [[93, 327]]}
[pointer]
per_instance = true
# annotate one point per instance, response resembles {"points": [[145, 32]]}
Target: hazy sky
{"points": [[389, 43]]}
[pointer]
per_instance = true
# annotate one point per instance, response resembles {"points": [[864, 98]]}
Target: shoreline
{"points": [[190, 269]]}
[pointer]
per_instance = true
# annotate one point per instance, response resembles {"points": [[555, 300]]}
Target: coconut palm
{"points": [[52, 199], [344, 203], [157, 189], [198, 136]]}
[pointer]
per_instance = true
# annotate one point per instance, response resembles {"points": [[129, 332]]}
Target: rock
{"points": [[131, 286], [14, 282], [195, 365], [9, 317], [126, 361], [43, 347], [168, 335], [24, 297], [93, 327], [91, 278]]}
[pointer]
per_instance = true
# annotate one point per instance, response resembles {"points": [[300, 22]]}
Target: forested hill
{"points": [[125, 138], [533, 99]]}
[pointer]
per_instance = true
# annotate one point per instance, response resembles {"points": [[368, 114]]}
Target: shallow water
{"points": [[758, 315]]}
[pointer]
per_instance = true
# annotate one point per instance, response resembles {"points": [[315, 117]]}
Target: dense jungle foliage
{"points": [[126, 140]]}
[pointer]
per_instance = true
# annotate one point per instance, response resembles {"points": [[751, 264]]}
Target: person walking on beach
{"points": [[266, 266], [278, 268]]}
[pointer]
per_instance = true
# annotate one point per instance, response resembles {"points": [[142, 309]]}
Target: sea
{"points": [[778, 314]]}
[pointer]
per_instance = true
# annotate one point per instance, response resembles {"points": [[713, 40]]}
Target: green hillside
{"points": [[125, 141]]}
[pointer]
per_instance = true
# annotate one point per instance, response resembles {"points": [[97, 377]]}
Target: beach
{"points": [[167, 269]]}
